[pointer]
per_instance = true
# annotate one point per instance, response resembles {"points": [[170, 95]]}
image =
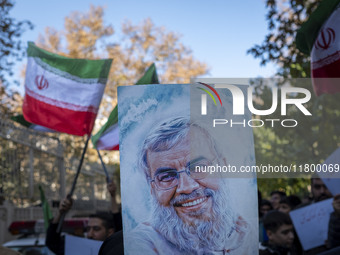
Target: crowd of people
{"points": [[191, 212], [101, 226], [276, 230]]}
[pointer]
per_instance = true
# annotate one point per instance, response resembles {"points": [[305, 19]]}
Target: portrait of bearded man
{"points": [[191, 211]]}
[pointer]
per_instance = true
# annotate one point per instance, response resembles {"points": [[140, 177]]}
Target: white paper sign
{"points": [[332, 179], [311, 223], [76, 245]]}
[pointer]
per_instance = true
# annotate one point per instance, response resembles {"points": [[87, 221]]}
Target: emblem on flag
{"points": [[325, 39], [319, 37], [41, 82]]}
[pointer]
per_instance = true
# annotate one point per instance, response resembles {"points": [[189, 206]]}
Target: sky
{"points": [[219, 32]]}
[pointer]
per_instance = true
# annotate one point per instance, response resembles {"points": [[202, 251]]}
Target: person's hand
{"points": [[336, 204], [65, 205], [111, 187]]}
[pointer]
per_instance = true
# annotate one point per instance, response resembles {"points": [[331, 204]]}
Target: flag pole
{"points": [[104, 167], [69, 196]]}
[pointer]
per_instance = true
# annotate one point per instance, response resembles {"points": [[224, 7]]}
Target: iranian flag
{"points": [[320, 37], [63, 93], [108, 136]]}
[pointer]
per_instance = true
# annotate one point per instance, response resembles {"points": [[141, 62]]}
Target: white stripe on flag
{"points": [[326, 46], [41, 128], [109, 139], [80, 94]]}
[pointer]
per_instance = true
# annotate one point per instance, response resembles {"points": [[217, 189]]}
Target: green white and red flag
{"points": [[107, 137], [63, 93], [319, 36]]}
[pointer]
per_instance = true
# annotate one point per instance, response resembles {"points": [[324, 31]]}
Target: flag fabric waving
{"points": [[108, 136], [320, 37], [21, 120], [46, 208], [63, 93]]}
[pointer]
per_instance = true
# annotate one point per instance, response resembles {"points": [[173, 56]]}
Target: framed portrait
{"points": [[182, 189]]}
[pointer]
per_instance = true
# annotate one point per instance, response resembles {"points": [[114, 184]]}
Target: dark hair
{"points": [[167, 135], [266, 202], [106, 217], [280, 193], [314, 176], [275, 219], [259, 196], [292, 200]]}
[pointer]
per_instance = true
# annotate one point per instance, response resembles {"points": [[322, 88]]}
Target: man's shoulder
{"points": [[242, 238], [264, 249], [143, 230], [145, 239], [113, 244]]}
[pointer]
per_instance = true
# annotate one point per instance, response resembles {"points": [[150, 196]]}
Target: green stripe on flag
{"points": [[46, 208], [21, 120], [83, 68], [113, 118], [150, 77], [309, 30]]}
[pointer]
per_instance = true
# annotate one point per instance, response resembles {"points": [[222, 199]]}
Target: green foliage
{"points": [[10, 102], [292, 186], [284, 19], [10, 44], [310, 142], [87, 35], [315, 137]]}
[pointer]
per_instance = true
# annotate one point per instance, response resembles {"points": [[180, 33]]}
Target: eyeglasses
{"points": [[168, 178]]}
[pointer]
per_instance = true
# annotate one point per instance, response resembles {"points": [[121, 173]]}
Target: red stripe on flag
{"points": [[57, 118], [59, 103], [323, 78], [115, 148], [109, 148]]}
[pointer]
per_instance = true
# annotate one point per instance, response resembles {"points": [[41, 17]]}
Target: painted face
{"points": [[96, 230], [319, 190], [284, 236], [190, 197]]}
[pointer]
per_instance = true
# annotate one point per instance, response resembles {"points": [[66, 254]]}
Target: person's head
{"points": [[185, 203], [319, 190], [279, 229], [265, 207], [100, 226], [289, 203], [275, 197]]}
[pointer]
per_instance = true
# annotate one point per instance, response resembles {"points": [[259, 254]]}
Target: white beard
{"points": [[201, 235]]}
